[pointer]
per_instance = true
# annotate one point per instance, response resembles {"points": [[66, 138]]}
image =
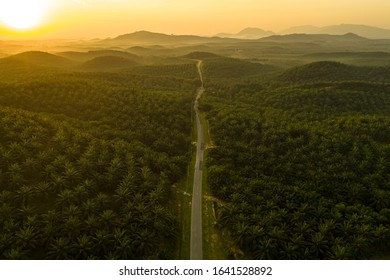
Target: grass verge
{"points": [[213, 248], [184, 199]]}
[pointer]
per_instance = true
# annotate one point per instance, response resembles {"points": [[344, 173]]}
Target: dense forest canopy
{"points": [[89, 162], [93, 146], [302, 163]]}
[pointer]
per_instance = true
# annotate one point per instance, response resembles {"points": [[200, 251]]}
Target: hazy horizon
{"points": [[75, 19]]}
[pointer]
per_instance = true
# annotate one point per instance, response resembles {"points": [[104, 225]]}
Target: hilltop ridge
{"points": [[370, 32]]}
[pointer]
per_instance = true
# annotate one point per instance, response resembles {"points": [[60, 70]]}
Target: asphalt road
{"points": [[196, 243]]}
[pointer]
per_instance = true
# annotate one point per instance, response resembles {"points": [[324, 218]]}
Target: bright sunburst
{"points": [[23, 14]]}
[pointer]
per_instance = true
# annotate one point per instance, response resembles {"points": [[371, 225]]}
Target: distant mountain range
{"points": [[247, 33], [156, 39], [366, 31], [304, 33], [348, 37]]}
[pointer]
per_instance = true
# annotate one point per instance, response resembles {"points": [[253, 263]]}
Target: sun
{"points": [[23, 14]]}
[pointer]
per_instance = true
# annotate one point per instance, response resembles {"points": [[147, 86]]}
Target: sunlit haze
{"points": [[23, 14], [103, 18]]}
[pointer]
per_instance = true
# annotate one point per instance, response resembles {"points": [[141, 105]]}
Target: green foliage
{"points": [[183, 71], [303, 171], [201, 55], [326, 71], [105, 63], [87, 165], [231, 68], [36, 58]]}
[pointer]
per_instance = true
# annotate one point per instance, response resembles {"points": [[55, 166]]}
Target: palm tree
{"points": [[346, 228], [327, 226], [123, 193], [301, 245], [227, 211], [102, 240], [102, 200], [6, 156], [15, 173], [58, 182], [265, 250], [290, 252], [25, 211], [254, 233], [15, 254], [84, 246], [31, 164], [112, 255], [49, 232], [340, 252], [115, 167], [6, 211], [157, 195], [43, 188], [147, 177], [382, 234], [319, 245], [6, 196], [144, 242], [138, 199], [89, 185], [65, 198], [303, 228], [109, 218], [60, 249], [7, 239], [240, 234], [72, 226], [25, 192], [321, 212], [92, 222], [123, 244], [71, 173], [45, 155], [361, 246], [80, 193], [89, 207], [27, 237]]}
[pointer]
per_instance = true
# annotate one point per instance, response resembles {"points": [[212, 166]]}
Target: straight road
{"points": [[196, 250]]}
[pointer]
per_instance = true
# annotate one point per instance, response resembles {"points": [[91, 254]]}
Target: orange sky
{"points": [[101, 18]]}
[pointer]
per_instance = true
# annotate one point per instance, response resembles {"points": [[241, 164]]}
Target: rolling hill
{"points": [[220, 67], [36, 58], [201, 55], [85, 56], [354, 58], [107, 63], [329, 71]]}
